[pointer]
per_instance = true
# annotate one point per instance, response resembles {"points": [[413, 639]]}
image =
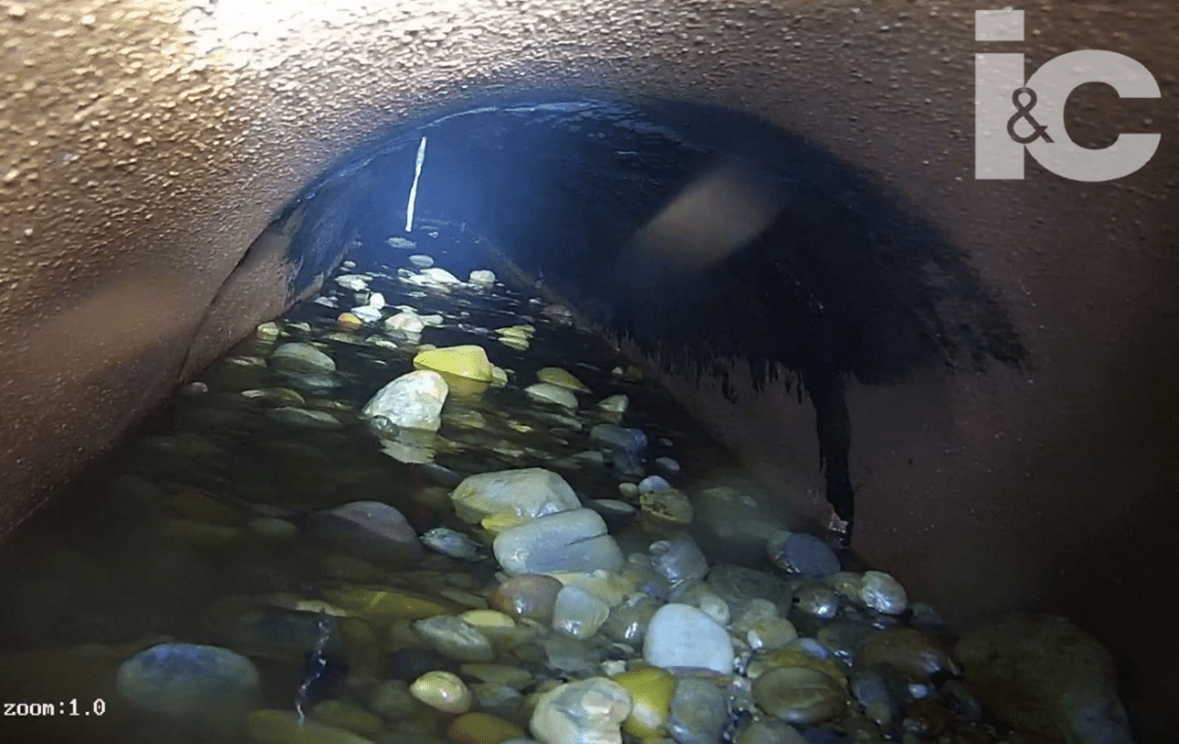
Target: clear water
{"points": [[164, 543]]}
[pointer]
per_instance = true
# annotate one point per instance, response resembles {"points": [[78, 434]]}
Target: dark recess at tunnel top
{"points": [[841, 281]]}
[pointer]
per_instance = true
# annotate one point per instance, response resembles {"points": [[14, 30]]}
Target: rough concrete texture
{"points": [[144, 145]]}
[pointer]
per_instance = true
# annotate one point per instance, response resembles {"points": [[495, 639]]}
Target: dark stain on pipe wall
{"points": [[702, 235]]}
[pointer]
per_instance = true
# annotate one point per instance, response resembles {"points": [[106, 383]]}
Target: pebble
{"points": [[287, 727], [668, 465], [440, 276], [762, 627], [681, 636], [392, 699], [455, 638], [366, 313], [549, 393], [667, 508], [368, 529], [651, 692], [588, 711], [481, 728], [800, 553], [529, 596], [629, 621], [699, 712], [466, 361], [451, 543], [770, 731], [574, 540], [348, 717], [577, 613], [412, 401], [421, 261], [405, 323], [799, 695], [354, 282], [611, 588], [679, 559], [653, 483], [304, 419], [561, 378], [501, 674], [528, 492], [818, 601], [383, 606], [883, 593], [1044, 674], [184, 682], [614, 404], [915, 654], [301, 358], [443, 691]]}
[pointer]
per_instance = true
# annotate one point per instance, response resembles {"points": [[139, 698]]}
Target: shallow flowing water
{"points": [[200, 595]]}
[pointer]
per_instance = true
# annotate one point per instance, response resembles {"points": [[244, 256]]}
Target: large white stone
{"points": [[183, 682], [566, 541], [529, 492], [589, 711], [405, 322], [681, 636], [412, 401], [440, 276]]}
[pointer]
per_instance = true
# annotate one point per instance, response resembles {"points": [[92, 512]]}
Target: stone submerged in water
{"points": [[549, 393], [189, 683], [799, 695], [577, 613], [529, 493], [303, 419], [466, 361], [481, 278], [370, 530], [699, 712], [301, 358], [451, 543], [530, 596], [412, 401], [589, 711], [455, 638], [800, 553], [285, 727], [573, 540], [1042, 674], [681, 636]]}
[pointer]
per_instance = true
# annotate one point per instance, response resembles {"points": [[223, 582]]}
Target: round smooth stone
{"points": [[680, 635], [800, 553], [530, 596], [911, 652], [455, 638], [443, 691], [818, 601], [481, 728], [588, 711], [651, 692], [883, 593], [577, 613], [188, 682], [348, 717], [670, 507], [699, 712], [799, 695]]}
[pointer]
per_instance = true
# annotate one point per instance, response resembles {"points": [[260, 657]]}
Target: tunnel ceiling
{"points": [[702, 235]]}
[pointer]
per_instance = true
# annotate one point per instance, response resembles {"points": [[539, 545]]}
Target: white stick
{"points": [[413, 190]]}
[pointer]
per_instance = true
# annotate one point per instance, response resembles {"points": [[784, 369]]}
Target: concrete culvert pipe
{"points": [[808, 222]]}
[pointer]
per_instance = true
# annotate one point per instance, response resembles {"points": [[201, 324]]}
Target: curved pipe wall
{"points": [[147, 144]]}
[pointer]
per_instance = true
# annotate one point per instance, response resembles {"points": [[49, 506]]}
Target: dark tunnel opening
{"points": [[703, 236]]}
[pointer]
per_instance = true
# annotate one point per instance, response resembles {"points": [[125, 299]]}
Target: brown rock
{"points": [[1042, 674], [913, 653]]}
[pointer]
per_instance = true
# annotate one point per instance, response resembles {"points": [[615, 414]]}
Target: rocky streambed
{"points": [[423, 509]]}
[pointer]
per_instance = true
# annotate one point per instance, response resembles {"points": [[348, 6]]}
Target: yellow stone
{"points": [[384, 606], [561, 378], [500, 376], [348, 717], [481, 728], [442, 691], [349, 322], [284, 727], [518, 343], [467, 361], [650, 689], [463, 387], [500, 521], [488, 619], [609, 587], [518, 331]]}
